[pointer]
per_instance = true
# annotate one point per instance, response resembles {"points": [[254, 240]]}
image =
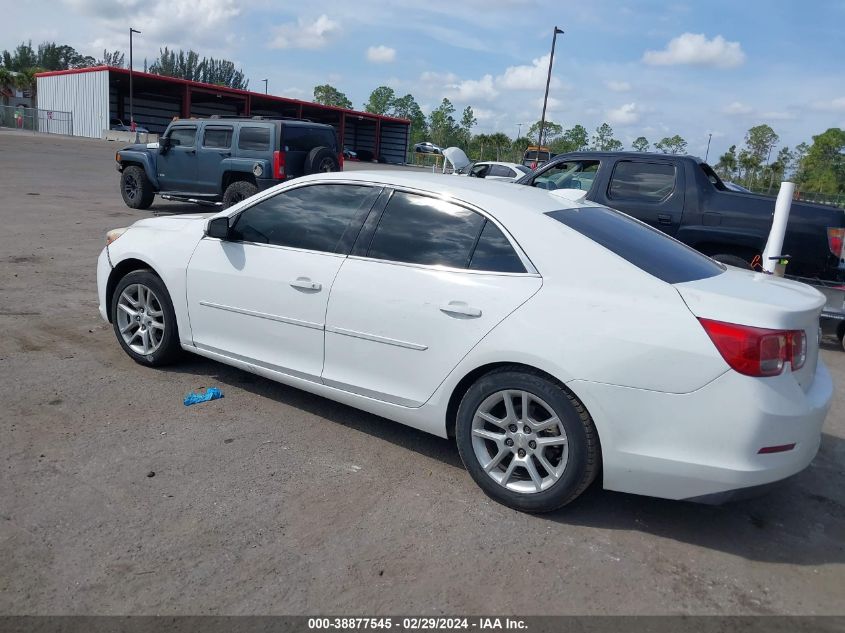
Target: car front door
{"points": [[215, 147], [260, 295], [177, 160], [417, 293]]}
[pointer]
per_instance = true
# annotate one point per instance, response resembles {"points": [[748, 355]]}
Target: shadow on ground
{"points": [[801, 521]]}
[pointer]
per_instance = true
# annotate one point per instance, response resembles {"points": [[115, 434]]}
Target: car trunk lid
{"points": [[763, 301]]}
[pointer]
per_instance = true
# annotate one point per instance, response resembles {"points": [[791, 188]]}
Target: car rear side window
{"points": [[643, 246], [495, 253], [317, 217], [254, 138], [217, 137], [421, 230], [649, 182]]}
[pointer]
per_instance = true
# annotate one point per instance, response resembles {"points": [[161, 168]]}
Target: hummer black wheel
{"points": [[136, 189]]}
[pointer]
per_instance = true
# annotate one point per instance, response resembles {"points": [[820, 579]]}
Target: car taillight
{"points": [[278, 165], [835, 238], [755, 351]]}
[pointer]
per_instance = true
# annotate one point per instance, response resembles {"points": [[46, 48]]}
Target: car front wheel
{"points": [[136, 188], [143, 319], [526, 441]]}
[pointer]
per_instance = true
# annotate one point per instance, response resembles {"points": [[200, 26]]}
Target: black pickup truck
{"points": [[683, 196]]}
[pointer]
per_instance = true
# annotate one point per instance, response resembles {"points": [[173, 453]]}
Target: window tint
{"points": [[480, 171], [217, 137], [254, 138], [571, 174], [495, 253], [643, 246], [421, 230], [523, 169], [642, 181], [315, 218], [183, 136], [303, 139], [500, 170]]}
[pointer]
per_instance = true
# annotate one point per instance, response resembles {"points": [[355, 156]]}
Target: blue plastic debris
{"points": [[212, 393]]}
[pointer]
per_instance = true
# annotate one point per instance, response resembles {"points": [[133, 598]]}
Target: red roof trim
{"points": [[222, 89]]}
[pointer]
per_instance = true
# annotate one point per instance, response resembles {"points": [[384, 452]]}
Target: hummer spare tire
{"points": [[321, 159]]}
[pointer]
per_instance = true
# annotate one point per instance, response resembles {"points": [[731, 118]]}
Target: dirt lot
{"points": [[275, 501]]}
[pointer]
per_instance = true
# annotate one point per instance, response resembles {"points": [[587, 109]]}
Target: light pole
{"points": [[131, 95], [265, 85], [548, 81], [707, 153]]}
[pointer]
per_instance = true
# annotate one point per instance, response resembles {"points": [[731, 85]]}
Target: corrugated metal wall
{"points": [[152, 111], [394, 142], [85, 95]]}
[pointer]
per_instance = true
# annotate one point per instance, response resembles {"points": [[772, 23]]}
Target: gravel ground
{"points": [[275, 501]]}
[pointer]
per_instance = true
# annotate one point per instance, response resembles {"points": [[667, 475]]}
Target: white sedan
{"points": [[555, 341]]}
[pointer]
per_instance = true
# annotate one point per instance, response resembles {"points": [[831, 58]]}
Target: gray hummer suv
{"points": [[221, 161]]}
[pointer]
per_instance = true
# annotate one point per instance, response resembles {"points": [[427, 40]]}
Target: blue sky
{"points": [[648, 68]]}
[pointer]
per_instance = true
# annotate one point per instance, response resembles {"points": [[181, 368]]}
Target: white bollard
{"points": [[774, 245]]}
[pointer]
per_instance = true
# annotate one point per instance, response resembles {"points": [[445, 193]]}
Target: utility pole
{"points": [[131, 95], [709, 136], [548, 81], [265, 85]]}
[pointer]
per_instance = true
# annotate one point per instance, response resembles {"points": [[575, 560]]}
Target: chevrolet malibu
{"points": [[555, 341]]}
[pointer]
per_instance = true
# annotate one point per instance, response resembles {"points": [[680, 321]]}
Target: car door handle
{"points": [[306, 284], [460, 308], [226, 154]]}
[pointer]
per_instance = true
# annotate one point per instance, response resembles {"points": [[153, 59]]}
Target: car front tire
{"points": [[527, 441], [136, 188], [143, 319]]}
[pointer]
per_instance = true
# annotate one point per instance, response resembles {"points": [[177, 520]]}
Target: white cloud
{"points": [[472, 89], [381, 54], [618, 86], [625, 114], [831, 105], [527, 77], [182, 23], [737, 107], [305, 34], [696, 49]]}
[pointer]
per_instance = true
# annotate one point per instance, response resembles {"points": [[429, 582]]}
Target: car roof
{"points": [[506, 201], [599, 154]]}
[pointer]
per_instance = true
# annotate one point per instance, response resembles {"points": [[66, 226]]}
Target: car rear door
{"points": [[260, 296], [649, 189], [215, 147], [427, 280]]}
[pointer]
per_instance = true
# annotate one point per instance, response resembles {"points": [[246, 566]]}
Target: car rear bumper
{"points": [[706, 443]]}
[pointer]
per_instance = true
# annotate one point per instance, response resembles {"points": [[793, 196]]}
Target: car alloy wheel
{"points": [[326, 165], [140, 319], [519, 441], [130, 186]]}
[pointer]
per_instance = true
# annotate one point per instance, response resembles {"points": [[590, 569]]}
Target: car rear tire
{"points": [[237, 191], [143, 319], [527, 441], [732, 260], [136, 188]]}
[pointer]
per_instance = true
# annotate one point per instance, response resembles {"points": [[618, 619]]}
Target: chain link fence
{"points": [[36, 120]]}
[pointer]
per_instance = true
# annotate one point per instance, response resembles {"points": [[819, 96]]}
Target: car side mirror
{"points": [[218, 227], [164, 144]]}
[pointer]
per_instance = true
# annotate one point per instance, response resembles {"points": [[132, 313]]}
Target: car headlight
{"points": [[112, 235]]}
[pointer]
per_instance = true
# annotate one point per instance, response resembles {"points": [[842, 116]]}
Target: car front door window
{"points": [[574, 174]]}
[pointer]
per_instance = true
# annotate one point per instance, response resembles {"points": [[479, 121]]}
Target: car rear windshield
{"points": [[643, 246]]}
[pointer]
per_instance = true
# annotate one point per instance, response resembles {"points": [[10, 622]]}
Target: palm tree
{"points": [[26, 81]]}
